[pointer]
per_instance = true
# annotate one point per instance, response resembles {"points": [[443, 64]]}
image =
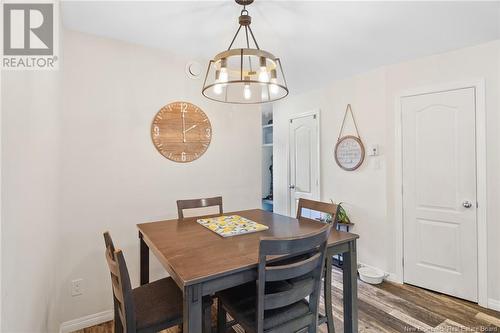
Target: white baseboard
{"points": [[87, 321], [393, 277], [494, 304]]}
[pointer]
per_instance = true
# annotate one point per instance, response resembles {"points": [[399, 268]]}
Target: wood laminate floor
{"points": [[390, 307]]}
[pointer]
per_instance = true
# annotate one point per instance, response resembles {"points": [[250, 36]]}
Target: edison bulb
{"points": [[263, 75], [247, 93], [223, 75], [264, 95], [273, 87], [218, 89]]}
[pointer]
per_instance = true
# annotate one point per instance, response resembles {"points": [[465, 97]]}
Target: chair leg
{"points": [[207, 315], [221, 317], [327, 290], [118, 327]]}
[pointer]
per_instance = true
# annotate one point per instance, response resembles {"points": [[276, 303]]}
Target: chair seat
{"points": [[241, 304], [158, 305]]}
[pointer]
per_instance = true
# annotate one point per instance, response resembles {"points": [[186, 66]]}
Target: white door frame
{"points": [[312, 112], [482, 235]]}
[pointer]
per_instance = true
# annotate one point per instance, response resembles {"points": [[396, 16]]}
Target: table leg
{"points": [[192, 309], [350, 280], [143, 261], [328, 294]]}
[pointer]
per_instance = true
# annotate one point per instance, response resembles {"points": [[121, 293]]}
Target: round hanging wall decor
{"points": [[349, 150]]}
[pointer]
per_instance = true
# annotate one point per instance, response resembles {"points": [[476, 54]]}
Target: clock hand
{"points": [[183, 128], [190, 128]]}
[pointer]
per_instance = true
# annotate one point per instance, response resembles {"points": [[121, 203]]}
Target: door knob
{"points": [[291, 187], [467, 204]]}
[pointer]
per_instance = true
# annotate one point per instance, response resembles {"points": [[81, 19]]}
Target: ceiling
{"points": [[318, 41]]}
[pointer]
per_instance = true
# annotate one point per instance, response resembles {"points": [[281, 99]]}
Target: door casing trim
{"points": [[481, 181], [317, 113]]}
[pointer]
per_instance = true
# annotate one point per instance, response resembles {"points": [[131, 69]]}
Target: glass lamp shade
{"points": [[245, 76]]}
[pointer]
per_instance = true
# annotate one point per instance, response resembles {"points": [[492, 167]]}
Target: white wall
{"points": [[112, 177], [369, 191], [77, 160], [30, 170]]}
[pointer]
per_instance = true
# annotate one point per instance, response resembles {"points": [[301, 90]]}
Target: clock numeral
{"points": [[156, 130], [183, 156], [208, 132], [184, 107]]}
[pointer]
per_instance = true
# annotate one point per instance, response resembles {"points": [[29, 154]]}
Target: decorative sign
{"points": [[181, 132], [349, 150]]}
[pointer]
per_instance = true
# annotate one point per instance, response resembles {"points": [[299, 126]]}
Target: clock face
{"points": [[181, 132], [349, 152]]}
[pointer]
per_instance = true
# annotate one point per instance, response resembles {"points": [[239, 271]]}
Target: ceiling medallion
{"points": [[245, 75]]}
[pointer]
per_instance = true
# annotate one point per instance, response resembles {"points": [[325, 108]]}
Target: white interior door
{"points": [[439, 192], [304, 159]]}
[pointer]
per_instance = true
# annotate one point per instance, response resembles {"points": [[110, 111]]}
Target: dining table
{"points": [[202, 263]]}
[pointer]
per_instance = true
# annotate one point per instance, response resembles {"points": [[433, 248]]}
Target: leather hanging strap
{"points": [[348, 109]]}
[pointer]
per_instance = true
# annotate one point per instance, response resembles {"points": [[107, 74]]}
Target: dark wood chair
{"points": [[198, 203], [331, 209], [317, 206], [201, 203], [149, 308], [277, 301]]}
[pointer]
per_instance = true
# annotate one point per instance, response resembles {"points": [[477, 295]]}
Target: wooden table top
{"points": [[192, 253]]}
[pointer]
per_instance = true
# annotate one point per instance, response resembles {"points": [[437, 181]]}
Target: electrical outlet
{"points": [[77, 287]]}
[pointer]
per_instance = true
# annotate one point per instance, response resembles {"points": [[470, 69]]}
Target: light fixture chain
{"points": [[253, 37], [234, 38], [248, 46]]}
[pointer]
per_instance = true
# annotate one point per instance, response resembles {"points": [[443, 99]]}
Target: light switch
{"points": [[373, 150]]}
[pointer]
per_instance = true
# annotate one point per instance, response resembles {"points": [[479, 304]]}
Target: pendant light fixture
{"points": [[245, 75]]}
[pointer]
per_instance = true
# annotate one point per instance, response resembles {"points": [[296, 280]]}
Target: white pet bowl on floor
{"points": [[371, 275]]}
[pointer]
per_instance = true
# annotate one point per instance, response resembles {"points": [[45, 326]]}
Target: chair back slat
{"points": [[121, 286], [317, 206], [117, 292], [113, 266], [290, 271], [293, 245], [299, 276], [301, 290], [198, 203]]}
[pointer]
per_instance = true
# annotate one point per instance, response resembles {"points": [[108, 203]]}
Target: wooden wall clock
{"points": [[181, 132]]}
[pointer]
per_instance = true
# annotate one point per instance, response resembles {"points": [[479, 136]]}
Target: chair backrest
{"points": [[120, 282], [317, 206], [305, 259], [198, 203]]}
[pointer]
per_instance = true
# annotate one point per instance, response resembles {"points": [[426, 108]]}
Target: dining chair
{"points": [[277, 302], [317, 206], [198, 203], [192, 204], [330, 209], [149, 308]]}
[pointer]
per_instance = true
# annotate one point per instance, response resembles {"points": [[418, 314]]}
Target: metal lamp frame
{"points": [[244, 22]]}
